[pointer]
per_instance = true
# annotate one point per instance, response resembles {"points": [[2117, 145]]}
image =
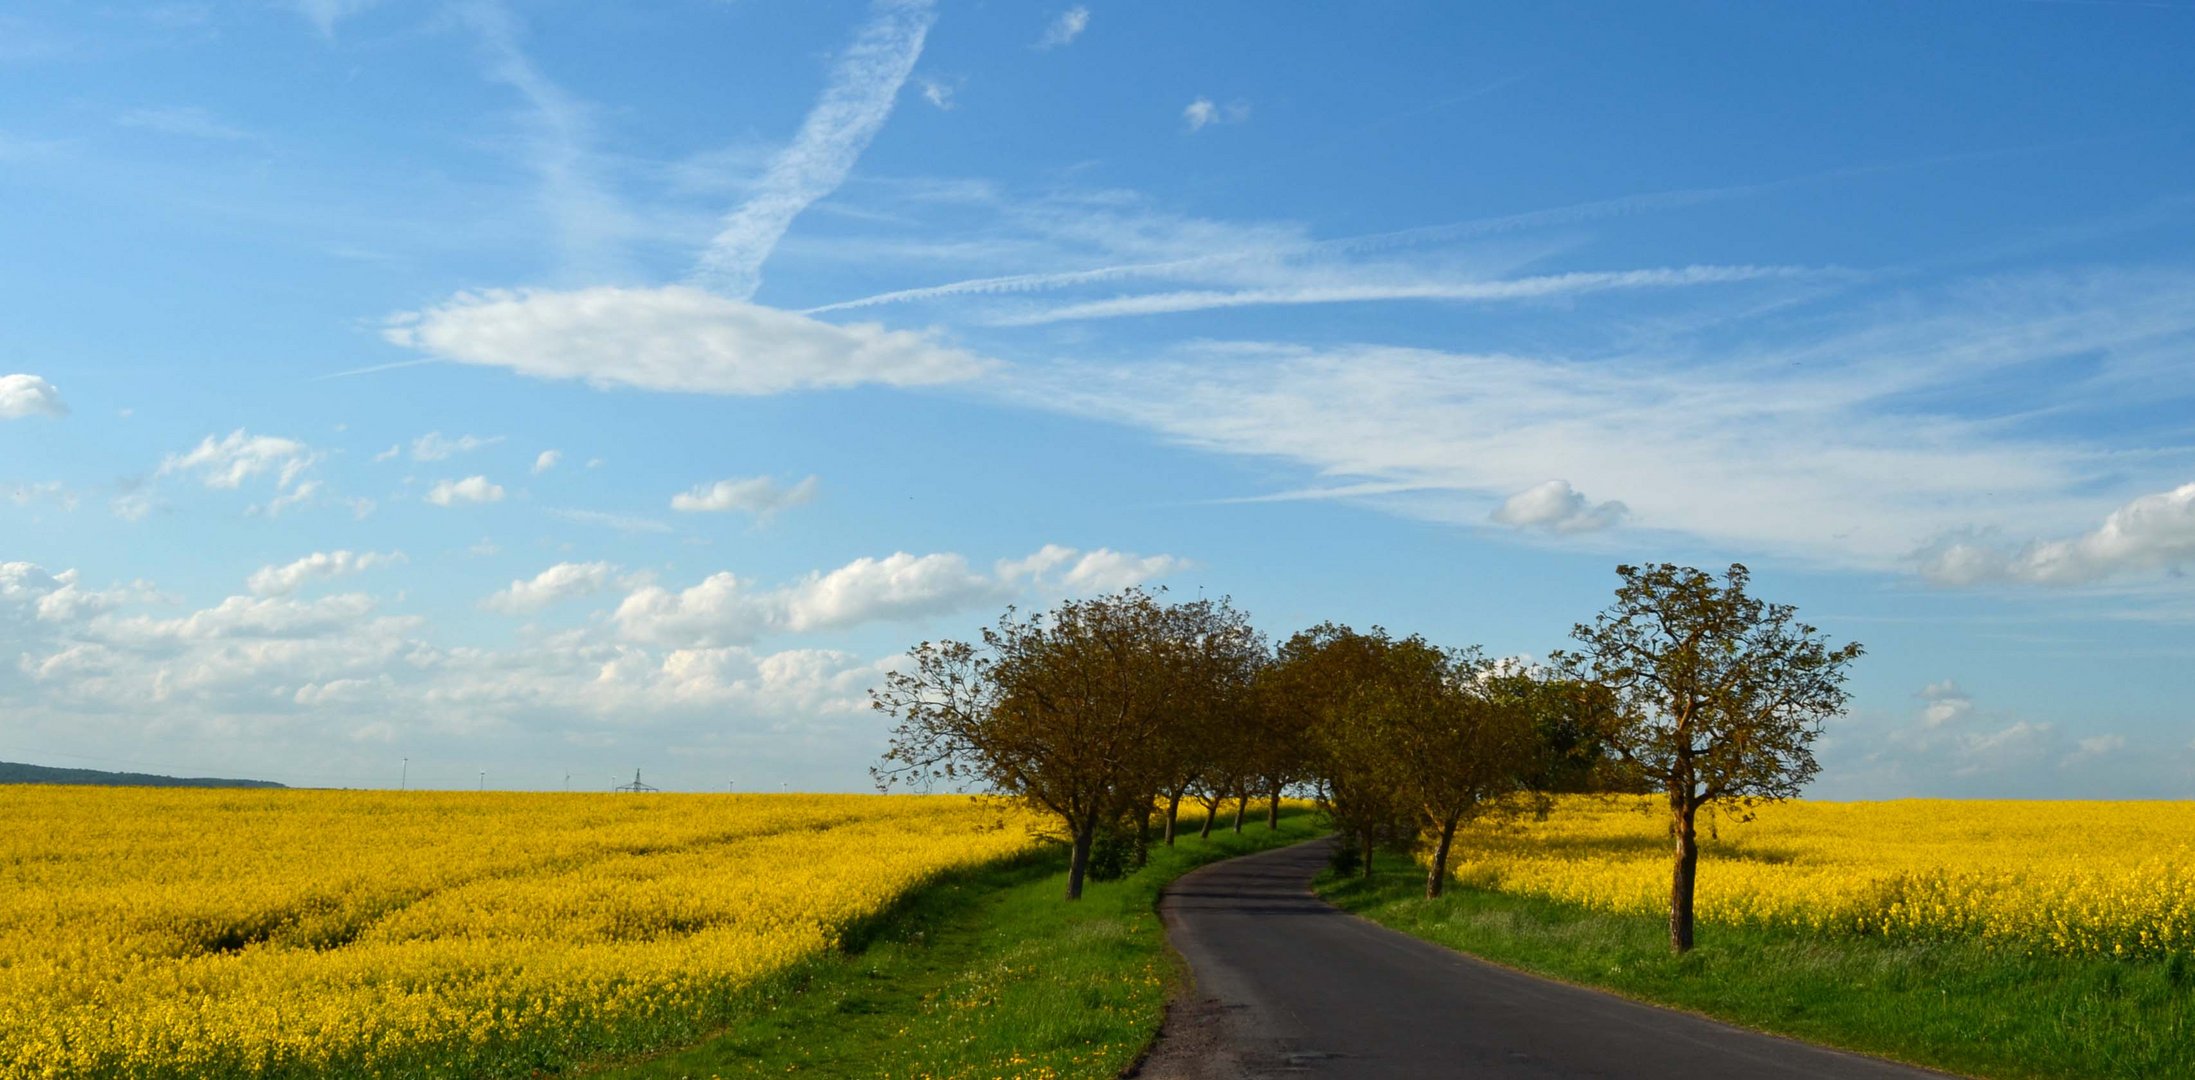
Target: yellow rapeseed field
{"points": [[2108, 878], [304, 933]]}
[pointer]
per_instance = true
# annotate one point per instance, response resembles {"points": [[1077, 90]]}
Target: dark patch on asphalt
{"points": [[1289, 986]]}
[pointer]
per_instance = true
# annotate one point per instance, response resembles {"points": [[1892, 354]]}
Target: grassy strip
{"points": [[988, 973], [1952, 1005]]}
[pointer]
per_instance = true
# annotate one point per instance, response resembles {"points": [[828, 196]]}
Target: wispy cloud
{"points": [[1066, 28], [863, 85], [1851, 444], [591, 223], [1529, 288]]}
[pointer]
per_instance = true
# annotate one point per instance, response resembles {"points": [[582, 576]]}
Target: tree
{"points": [[1063, 710], [1441, 733], [1306, 692], [1090, 712], [1211, 726], [1716, 695]]}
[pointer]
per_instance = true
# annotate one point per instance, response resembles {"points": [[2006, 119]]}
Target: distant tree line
{"points": [[1110, 714]]}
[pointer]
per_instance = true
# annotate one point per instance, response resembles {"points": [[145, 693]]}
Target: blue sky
{"points": [[555, 389]]}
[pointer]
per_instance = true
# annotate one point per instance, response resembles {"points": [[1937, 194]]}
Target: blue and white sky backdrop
{"points": [[422, 389]]}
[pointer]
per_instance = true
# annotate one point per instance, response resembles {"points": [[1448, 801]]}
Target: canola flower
{"points": [[2064, 878], [174, 933]]}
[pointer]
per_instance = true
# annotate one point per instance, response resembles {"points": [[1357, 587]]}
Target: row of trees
{"points": [[1110, 713]]}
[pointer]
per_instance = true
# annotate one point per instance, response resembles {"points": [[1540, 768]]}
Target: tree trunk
{"points": [[1078, 863], [1367, 837], [1437, 875], [1241, 801], [1272, 808], [1143, 835], [1211, 814], [1683, 874], [1173, 814]]}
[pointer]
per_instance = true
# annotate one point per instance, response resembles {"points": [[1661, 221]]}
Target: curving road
{"points": [[1289, 986]]}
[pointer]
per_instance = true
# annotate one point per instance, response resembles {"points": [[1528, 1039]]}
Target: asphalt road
{"points": [[1289, 986]]}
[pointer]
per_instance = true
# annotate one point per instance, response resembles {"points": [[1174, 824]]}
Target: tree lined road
{"points": [[1287, 985]]}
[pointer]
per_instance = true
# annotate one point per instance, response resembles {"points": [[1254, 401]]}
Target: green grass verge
{"points": [[988, 973], [1952, 1005]]}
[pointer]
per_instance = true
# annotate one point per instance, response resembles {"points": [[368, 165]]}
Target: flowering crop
{"points": [[2095, 878], [165, 932]]}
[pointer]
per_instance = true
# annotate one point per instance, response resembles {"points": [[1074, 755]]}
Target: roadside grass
{"points": [[988, 973], [1951, 1005]]}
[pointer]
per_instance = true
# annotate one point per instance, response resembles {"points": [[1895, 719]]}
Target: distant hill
{"points": [[14, 773]]}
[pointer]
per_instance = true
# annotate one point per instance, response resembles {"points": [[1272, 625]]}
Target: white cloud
{"points": [[547, 460], [28, 395], [228, 462], [1556, 507], [937, 92], [1356, 292], [725, 609], [757, 495], [864, 83], [1058, 568], [52, 491], [560, 582], [2095, 747], [472, 489], [1946, 704], [895, 587], [1066, 28], [674, 339], [435, 446], [390, 454], [1202, 113], [2151, 532], [288, 578], [1811, 438]]}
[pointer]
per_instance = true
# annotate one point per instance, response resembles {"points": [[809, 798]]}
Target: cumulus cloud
{"points": [[1203, 113], [674, 338], [757, 495], [472, 489], [1066, 28], [288, 578], [560, 582], [228, 462], [2149, 533], [435, 446], [1556, 507], [1059, 568], [28, 395], [724, 609], [547, 460]]}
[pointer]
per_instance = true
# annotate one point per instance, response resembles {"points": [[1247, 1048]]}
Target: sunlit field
{"points": [[149, 932], [2073, 878]]}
